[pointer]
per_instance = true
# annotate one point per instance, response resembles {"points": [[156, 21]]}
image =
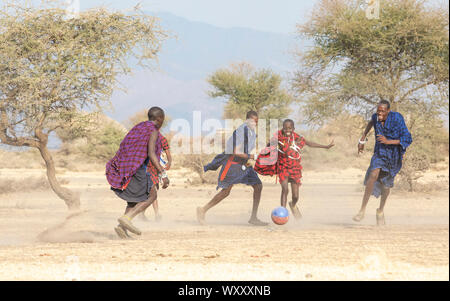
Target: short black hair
{"points": [[251, 114], [290, 121], [386, 103], [154, 113]]}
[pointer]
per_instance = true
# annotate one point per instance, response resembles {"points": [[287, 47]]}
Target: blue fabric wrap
{"points": [[244, 140], [388, 158]]}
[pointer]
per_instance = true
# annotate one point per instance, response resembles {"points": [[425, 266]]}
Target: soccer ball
{"points": [[280, 215]]}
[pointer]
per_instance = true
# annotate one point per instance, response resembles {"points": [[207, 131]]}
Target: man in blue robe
{"points": [[235, 168], [392, 138]]}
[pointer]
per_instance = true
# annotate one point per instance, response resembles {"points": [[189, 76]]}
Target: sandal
{"points": [[125, 222], [121, 232]]}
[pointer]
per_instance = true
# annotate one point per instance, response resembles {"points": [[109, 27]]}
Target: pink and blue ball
{"points": [[280, 215]]}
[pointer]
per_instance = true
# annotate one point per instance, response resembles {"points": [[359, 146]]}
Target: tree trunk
{"points": [[71, 199], [201, 172]]}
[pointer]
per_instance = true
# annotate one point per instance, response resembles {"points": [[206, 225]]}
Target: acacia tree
{"points": [[246, 88], [52, 67], [355, 61]]}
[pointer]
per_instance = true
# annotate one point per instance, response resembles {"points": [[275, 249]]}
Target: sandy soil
{"points": [[39, 242]]}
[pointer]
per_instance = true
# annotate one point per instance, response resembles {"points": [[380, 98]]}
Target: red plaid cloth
{"points": [[286, 162], [164, 144], [153, 173]]}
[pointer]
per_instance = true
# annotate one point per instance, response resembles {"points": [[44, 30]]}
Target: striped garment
{"points": [[132, 153]]}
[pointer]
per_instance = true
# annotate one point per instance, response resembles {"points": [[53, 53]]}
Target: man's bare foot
{"points": [[201, 216], [380, 218], [256, 222], [158, 217], [122, 232], [125, 222], [358, 217], [295, 211]]}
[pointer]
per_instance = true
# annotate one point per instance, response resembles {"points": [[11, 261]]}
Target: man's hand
{"points": [[330, 145], [382, 139], [167, 167], [360, 148], [166, 182]]}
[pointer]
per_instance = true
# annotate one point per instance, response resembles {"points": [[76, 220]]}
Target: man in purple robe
{"points": [[135, 171]]}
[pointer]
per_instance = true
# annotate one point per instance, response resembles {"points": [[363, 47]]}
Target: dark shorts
{"points": [[138, 190], [237, 175]]}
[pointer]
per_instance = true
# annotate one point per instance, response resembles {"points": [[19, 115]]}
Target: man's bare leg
{"points": [[295, 197], [284, 192], [201, 211], [125, 220], [373, 176], [144, 218], [156, 209], [380, 211], [257, 189]]}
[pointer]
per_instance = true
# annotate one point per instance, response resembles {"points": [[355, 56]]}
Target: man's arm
{"points": [[364, 136], [405, 137], [151, 151], [367, 130], [240, 137], [316, 145], [384, 140], [169, 159], [154, 159]]}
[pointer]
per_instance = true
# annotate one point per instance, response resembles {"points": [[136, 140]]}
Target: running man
{"points": [[392, 137], [235, 168], [135, 171]]}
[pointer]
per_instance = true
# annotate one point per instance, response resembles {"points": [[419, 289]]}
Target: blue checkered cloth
{"points": [[388, 158]]}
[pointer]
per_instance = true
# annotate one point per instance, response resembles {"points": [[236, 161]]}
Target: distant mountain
{"points": [[200, 49]]}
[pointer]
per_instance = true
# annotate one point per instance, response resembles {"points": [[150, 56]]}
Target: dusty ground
{"points": [[38, 242]]}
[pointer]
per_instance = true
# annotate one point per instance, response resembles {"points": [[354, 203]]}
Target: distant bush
{"points": [[99, 142], [345, 130], [195, 162], [26, 185], [430, 145], [27, 158], [104, 144]]}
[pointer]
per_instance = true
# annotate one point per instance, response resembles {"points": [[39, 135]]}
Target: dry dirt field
{"points": [[39, 242]]}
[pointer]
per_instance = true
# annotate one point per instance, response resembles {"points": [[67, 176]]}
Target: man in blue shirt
{"points": [[392, 138], [235, 168]]}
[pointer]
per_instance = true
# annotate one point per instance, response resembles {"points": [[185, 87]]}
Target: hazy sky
{"points": [[266, 15]]}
